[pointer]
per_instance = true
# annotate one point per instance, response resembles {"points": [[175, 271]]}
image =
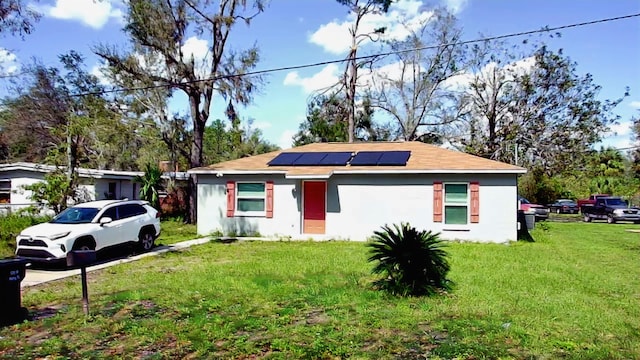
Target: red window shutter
{"points": [[269, 205], [437, 201], [231, 198], [475, 202]]}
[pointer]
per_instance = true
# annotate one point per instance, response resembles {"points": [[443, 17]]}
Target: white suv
{"points": [[94, 225]]}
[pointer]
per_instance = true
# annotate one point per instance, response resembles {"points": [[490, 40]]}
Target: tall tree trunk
{"points": [[351, 90], [196, 154], [72, 161]]}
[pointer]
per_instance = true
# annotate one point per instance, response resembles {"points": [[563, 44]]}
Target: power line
{"points": [[9, 75], [328, 62], [620, 149]]}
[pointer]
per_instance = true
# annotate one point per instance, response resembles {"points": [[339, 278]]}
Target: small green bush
{"points": [[11, 226], [412, 262], [216, 233]]}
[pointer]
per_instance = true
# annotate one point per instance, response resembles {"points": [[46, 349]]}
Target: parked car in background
{"points": [[540, 212], [590, 201], [564, 206], [612, 209], [94, 225]]}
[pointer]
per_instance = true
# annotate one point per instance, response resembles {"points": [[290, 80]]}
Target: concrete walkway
{"points": [[37, 276]]}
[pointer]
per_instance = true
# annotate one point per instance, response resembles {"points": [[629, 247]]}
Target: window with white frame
{"points": [[5, 191], [456, 203], [250, 198]]}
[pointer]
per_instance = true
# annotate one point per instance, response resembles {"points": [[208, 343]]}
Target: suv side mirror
{"points": [[105, 220]]}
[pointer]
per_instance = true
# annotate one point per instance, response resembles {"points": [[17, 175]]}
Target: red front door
{"points": [[315, 211]]}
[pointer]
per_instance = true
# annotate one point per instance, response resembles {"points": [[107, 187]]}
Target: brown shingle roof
{"points": [[424, 158]]}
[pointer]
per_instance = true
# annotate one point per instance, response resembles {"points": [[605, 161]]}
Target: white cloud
{"points": [[403, 17], [461, 81], [635, 104], [332, 37], [286, 139], [621, 129], [616, 142], [618, 136], [97, 71], [381, 77], [196, 48], [8, 62], [327, 77], [92, 13], [261, 125], [455, 6]]}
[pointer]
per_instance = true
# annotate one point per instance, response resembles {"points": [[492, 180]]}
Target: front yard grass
{"points": [[572, 294], [174, 231]]}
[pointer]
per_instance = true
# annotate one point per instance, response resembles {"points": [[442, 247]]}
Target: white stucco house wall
{"points": [[348, 190], [94, 184]]}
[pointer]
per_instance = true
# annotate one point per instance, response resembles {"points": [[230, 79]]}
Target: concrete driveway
{"points": [[40, 276]]}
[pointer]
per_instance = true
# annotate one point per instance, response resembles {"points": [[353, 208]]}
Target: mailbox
{"points": [[81, 258], [12, 272]]}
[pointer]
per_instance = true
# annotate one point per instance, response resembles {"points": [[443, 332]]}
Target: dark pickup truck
{"points": [[612, 209], [591, 200]]}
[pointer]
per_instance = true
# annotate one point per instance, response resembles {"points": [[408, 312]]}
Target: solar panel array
{"points": [[342, 158], [394, 158]]}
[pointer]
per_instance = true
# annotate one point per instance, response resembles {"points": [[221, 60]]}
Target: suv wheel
{"points": [[146, 240], [610, 219], [84, 244], [587, 218]]}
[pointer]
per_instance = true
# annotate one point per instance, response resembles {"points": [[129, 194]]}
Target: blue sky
{"points": [[294, 32]]}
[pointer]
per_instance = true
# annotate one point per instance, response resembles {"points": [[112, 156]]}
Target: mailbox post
{"points": [[82, 258]]}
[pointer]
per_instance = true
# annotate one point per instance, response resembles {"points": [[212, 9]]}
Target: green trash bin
{"points": [[12, 273]]}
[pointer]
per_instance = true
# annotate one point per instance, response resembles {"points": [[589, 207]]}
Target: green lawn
{"points": [[572, 294], [176, 231]]}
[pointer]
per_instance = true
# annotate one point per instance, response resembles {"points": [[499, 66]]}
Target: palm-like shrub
{"points": [[412, 262], [150, 183]]}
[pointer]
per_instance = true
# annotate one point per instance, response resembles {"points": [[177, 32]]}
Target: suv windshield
{"points": [[75, 215], [616, 202]]}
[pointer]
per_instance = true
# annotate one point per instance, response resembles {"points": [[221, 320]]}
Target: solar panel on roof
{"points": [[394, 158], [341, 158], [366, 158], [336, 158], [309, 159], [284, 159]]}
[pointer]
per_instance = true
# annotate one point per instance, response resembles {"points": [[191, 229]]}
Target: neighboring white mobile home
{"points": [[348, 190], [94, 184]]}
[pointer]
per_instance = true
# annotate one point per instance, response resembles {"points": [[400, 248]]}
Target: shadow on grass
{"points": [[118, 252]]}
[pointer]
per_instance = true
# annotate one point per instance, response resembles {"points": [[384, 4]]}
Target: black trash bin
{"points": [[523, 228], [12, 272]]}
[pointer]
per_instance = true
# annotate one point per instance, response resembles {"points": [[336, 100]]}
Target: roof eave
{"points": [[309, 176], [435, 171], [222, 172]]}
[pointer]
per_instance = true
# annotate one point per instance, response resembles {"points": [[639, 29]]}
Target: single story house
{"points": [[348, 190], [94, 184]]}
